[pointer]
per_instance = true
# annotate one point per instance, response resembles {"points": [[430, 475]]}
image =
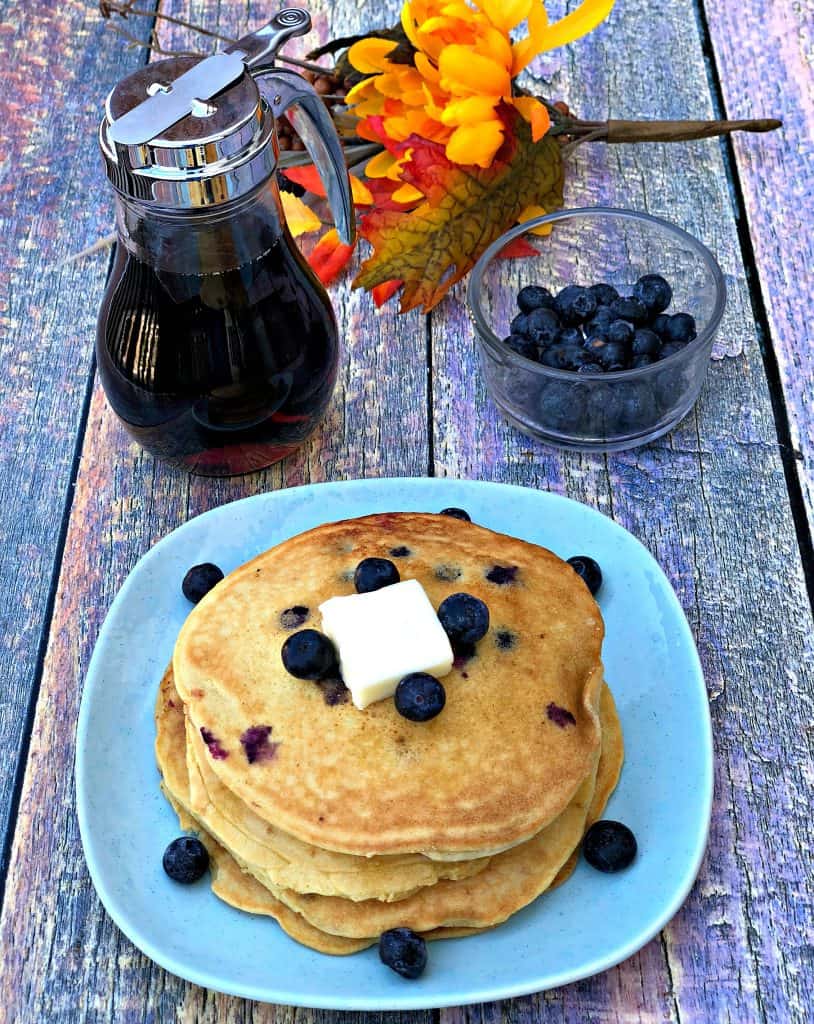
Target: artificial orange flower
{"points": [[463, 68]]}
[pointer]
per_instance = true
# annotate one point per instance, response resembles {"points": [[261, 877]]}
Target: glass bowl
{"points": [[602, 412]]}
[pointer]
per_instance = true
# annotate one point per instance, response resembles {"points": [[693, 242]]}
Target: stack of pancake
{"points": [[341, 823]]}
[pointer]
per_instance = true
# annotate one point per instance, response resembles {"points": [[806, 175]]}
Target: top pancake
{"points": [[505, 756]]}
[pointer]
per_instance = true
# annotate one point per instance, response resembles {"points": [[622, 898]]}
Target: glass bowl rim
{"points": [[491, 340]]}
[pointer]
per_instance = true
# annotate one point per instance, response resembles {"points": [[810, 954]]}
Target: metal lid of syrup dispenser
{"points": [[190, 132]]}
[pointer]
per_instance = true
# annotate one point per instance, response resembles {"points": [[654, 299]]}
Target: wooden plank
{"points": [[711, 503], [53, 204], [763, 53], [65, 960]]}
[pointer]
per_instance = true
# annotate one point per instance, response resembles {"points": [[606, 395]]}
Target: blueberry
{"points": [[595, 343], [604, 294], [502, 574], [403, 951], [420, 697], [621, 332], [400, 552], [629, 309], [373, 574], [653, 292], [186, 860], [543, 326], [309, 654], [200, 580], [574, 305], [670, 348], [557, 357], [520, 324], [293, 618], [611, 356], [578, 357], [659, 324], [456, 513], [643, 360], [590, 369], [534, 297], [645, 343], [680, 328], [570, 336], [523, 345], [601, 319], [609, 846], [588, 571], [638, 411], [465, 618]]}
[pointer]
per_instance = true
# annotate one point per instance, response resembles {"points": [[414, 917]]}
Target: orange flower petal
{"points": [[300, 218], [530, 213], [461, 69], [362, 195], [379, 166], [505, 14], [330, 256], [384, 291], [535, 113], [407, 194], [475, 143], [369, 55], [471, 110]]}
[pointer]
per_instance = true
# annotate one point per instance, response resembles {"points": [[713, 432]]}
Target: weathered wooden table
{"points": [[725, 503]]}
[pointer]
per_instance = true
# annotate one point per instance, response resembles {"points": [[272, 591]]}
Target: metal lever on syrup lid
{"points": [[190, 133]]}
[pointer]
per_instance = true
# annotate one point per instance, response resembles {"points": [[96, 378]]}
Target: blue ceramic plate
{"points": [[587, 925]]}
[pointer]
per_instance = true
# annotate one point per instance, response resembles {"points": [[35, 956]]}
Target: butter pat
{"points": [[383, 636]]}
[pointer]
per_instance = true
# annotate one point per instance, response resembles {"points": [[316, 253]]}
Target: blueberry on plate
{"points": [[629, 309], [456, 513], [621, 332], [645, 343], [403, 951], [574, 305], [186, 860], [604, 294], [588, 571], [310, 654], [543, 326], [199, 580], [609, 846], [533, 296], [680, 328], [523, 346], [373, 574], [653, 292], [420, 697], [465, 618]]}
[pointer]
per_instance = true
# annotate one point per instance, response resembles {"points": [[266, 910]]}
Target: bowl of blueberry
{"points": [[597, 335]]}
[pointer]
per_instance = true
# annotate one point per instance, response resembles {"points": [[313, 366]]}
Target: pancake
{"points": [[509, 882], [228, 882], [287, 862], [506, 757], [520, 879]]}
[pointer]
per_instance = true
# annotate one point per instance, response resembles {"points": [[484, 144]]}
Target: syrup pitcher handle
{"points": [[285, 90]]}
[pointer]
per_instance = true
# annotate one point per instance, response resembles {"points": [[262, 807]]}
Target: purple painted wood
{"points": [[710, 502], [64, 959], [763, 53], [51, 204]]}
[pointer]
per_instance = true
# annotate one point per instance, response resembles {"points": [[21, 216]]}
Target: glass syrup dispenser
{"points": [[217, 345]]}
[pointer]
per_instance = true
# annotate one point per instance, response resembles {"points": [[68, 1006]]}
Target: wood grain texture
{"points": [[764, 54], [710, 502], [56, 65], [66, 961]]}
